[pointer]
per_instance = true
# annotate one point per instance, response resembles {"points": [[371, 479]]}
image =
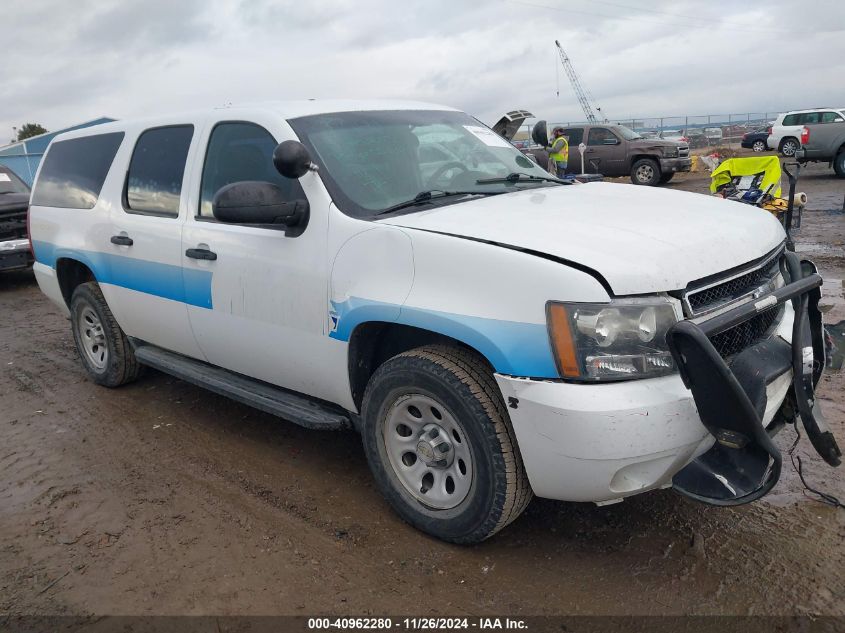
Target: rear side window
{"points": [[790, 119], [74, 171], [574, 135], [154, 181], [809, 117]]}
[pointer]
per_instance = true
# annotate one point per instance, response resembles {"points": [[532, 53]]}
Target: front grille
{"points": [[683, 151], [748, 333], [719, 294]]}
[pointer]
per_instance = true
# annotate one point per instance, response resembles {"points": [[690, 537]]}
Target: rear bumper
{"points": [[15, 254], [672, 165]]}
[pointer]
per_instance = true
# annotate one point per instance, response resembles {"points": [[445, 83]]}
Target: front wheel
{"points": [[645, 171], [758, 146], [789, 146], [440, 444]]}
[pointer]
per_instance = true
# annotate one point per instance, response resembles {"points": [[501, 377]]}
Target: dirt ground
{"points": [[162, 498]]}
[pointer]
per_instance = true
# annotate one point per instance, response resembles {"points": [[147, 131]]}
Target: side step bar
{"points": [[291, 406]]}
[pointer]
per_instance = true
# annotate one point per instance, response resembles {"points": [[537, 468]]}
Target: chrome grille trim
{"points": [[723, 293]]}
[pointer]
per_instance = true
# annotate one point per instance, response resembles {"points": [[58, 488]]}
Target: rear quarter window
{"points": [[74, 171]]}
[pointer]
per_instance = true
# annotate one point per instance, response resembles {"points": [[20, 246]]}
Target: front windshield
{"points": [[10, 183], [371, 161], [627, 133]]}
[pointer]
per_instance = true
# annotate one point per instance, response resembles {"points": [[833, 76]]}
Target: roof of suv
{"points": [[285, 109], [811, 110]]}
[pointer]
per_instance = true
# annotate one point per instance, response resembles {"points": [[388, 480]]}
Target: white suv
{"points": [[400, 269], [785, 134]]}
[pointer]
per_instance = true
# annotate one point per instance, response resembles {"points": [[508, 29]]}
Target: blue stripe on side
{"points": [[514, 348], [189, 286]]}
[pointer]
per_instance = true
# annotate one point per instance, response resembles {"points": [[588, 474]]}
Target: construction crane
{"points": [[585, 101]]}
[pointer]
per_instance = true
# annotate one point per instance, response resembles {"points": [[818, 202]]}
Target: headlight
{"points": [[670, 152], [620, 340]]}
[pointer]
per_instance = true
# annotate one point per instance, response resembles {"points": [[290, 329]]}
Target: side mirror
{"points": [[263, 204], [610, 141], [540, 134], [292, 159]]}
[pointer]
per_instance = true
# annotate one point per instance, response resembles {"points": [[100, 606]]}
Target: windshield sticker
{"points": [[5, 178], [488, 137]]}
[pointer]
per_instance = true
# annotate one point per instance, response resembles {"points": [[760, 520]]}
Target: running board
{"points": [[291, 406]]}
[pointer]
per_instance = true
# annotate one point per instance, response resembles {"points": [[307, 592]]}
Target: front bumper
{"points": [[15, 254], [672, 165], [603, 442]]}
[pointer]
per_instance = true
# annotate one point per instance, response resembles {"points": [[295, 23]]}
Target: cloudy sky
{"points": [[66, 62]]}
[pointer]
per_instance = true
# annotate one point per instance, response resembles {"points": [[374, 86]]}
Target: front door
{"points": [[605, 152], [265, 313]]}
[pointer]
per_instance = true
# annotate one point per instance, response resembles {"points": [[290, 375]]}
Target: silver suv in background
{"points": [[785, 135]]}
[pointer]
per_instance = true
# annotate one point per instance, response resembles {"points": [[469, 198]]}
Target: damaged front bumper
{"points": [[15, 254], [743, 463]]}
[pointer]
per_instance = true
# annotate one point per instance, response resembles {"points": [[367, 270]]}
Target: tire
{"points": [[646, 172], [759, 146], [103, 347], [839, 164], [453, 389], [788, 146], [664, 178]]}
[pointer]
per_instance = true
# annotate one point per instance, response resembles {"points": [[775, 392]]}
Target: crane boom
{"points": [[586, 105]]}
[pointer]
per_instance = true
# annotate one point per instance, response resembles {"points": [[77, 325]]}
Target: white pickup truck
{"points": [[400, 269]]}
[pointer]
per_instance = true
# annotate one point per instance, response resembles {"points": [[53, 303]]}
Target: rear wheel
{"points": [[440, 444], [758, 146], [789, 146], [666, 177], [839, 164], [645, 171], [103, 347]]}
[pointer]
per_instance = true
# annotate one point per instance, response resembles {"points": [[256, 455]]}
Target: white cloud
{"points": [[68, 62]]}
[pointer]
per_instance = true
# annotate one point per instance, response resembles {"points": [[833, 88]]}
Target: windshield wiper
{"points": [[518, 177], [434, 194]]}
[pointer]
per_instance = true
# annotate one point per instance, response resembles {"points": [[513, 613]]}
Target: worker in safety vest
{"points": [[559, 152]]}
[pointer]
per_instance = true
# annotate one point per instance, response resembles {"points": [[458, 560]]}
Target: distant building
{"points": [[23, 157]]}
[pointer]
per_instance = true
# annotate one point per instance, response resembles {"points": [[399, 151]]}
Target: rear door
{"points": [[605, 152], [144, 288]]}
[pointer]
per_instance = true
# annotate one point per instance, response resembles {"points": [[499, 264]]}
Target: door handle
{"points": [[122, 240], [201, 253]]}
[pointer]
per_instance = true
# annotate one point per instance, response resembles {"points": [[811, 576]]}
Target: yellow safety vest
{"points": [[560, 150]]}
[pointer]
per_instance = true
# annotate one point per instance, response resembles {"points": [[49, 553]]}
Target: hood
{"points": [[648, 143], [640, 239], [509, 124]]}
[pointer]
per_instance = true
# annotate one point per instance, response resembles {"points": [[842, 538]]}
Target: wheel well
{"points": [[787, 138], [371, 344], [70, 274], [637, 157]]}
